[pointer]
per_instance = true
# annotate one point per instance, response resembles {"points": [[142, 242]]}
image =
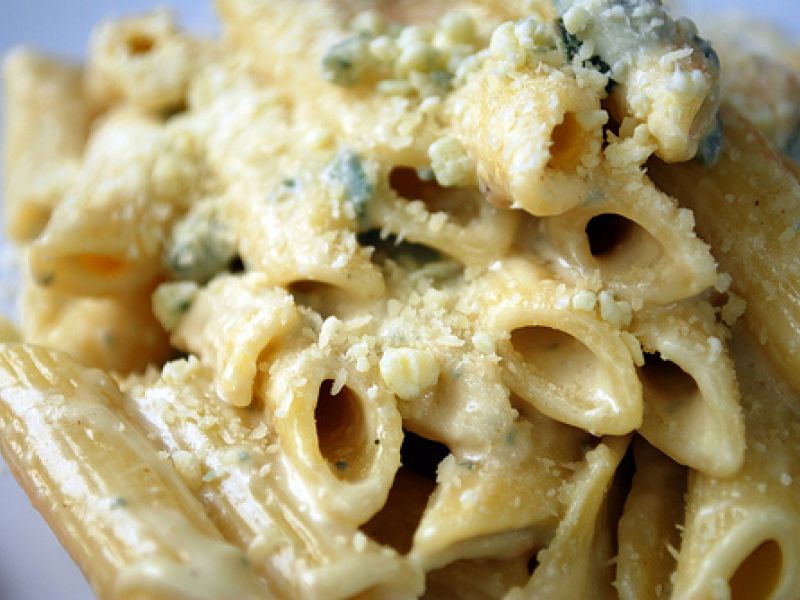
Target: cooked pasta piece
{"points": [[142, 60], [468, 515], [8, 331], [311, 236], [230, 459], [233, 325], [46, 124], [453, 220], [575, 565], [667, 76], [742, 533], [534, 134], [649, 534], [429, 292], [691, 397], [747, 207], [107, 235], [328, 415], [124, 514], [642, 246], [478, 579], [116, 333], [563, 357]]}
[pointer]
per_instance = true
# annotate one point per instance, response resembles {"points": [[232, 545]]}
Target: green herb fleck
{"points": [[442, 80], [118, 502], [341, 465], [511, 437], [244, 455], [377, 442], [210, 476], [109, 338], [467, 464], [45, 279], [183, 306]]}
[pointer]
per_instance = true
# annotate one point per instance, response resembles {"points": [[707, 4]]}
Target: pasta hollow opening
{"points": [[665, 382], [568, 141], [395, 524], [324, 298], [562, 359], [617, 243], [341, 432], [100, 264], [139, 43], [403, 252], [461, 204], [758, 575]]}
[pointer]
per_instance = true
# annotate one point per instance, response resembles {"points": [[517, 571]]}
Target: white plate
{"points": [[33, 566]]}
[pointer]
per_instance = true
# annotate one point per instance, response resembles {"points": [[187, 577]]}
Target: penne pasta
{"points": [[741, 533], [690, 391], [46, 126], [573, 565], [642, 246], [143, 60], [568, 362], [116, 333], [234, 324], [746, 207], [126, 517], [391, 301], [107, 235], [648, 534], [229, 458]]}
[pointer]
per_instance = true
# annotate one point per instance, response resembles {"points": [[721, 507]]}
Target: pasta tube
{"points": [[125, 516], [642, 245], [667, 76], [327, 252], [229, 457], [566, 361], [691, 397], [535, 138], [142, 60], [114, 333], [468, 515], [478, 579], [454, 220], [648, 533], [742, 533], [747, 207], [233, 324], [574, 565], [328, 416], [46, 126], [107, 235]]}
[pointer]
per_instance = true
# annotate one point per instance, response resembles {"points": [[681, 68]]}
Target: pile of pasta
{"points": [[387, 299]]}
